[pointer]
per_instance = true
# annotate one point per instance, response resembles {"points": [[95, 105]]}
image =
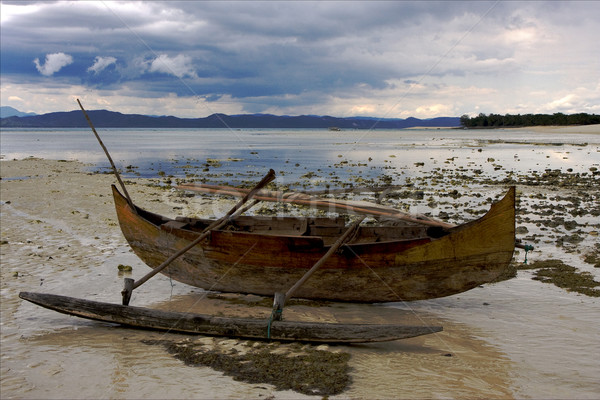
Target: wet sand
{"points": [[515, 339]]}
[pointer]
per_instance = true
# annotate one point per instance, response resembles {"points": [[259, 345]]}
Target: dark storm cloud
{"points": [[295, 46], [261, 52]]}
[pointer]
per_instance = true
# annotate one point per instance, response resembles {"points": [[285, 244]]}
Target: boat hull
{"points": [[400, 270], [246, 328]]}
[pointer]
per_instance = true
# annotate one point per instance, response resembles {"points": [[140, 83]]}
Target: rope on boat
{"points": [[276, 314], [527, 248]]}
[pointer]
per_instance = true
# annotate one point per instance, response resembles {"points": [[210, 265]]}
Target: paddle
{"points": [[131, 284]]}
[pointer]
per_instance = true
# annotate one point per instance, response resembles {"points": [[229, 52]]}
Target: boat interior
{"points": [[329, 229]]}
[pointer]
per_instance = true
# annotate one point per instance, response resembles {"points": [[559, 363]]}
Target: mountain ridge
{"points": [[114, 119], [8, 111]]}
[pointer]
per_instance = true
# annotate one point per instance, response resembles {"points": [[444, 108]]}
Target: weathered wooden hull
{"points": [[247, 328], [264, 262]]}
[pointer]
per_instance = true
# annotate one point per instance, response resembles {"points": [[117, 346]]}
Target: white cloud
{"points": [[180, 65], [581, 99], [15, 98], [10, 11], [565, 102], [54, 63], [433, 110], [63, 97], [100, 63]]}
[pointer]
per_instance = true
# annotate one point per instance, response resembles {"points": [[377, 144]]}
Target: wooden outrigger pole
{"points": [[89, 121]]}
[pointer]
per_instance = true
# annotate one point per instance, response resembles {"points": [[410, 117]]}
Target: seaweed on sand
{"points": [[564, 276], [593, 257], [301, 368]]}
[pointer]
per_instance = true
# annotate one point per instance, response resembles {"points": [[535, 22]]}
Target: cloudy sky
{"points": [[392, 59]]}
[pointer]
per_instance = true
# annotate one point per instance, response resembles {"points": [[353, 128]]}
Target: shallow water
{"points": [[332, 157], [519, 338]]}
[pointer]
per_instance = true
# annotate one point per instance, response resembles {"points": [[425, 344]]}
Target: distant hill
{"points": [[111, 119], [6, 111]]}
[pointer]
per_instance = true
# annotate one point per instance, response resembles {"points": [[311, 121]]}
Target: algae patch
{"points": [[302, 368], [564, 276], [593, 258], [124, 268]]}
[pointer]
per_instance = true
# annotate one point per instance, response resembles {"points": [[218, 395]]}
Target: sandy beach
{"points": [[519, 338], [60, 232]]}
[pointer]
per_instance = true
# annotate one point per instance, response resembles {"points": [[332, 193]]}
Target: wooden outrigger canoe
{"points": [[398, 261], [406, 259], [264, 256], [247, 328]]}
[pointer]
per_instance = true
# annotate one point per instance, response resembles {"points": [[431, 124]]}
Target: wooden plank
{"points": [[247, 328]]}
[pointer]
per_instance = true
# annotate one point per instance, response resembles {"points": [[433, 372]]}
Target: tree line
{"points": [[509, 120]]}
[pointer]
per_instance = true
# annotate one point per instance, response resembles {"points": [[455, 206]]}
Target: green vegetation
{"points": [[508, 120]]}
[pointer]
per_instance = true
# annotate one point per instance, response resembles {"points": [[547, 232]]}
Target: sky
{"points": [[384, 59]]}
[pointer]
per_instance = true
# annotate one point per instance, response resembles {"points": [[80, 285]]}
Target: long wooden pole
{"points": [[314, 202], [342, 239], [130, 284], [280, 298], [89, 121]]}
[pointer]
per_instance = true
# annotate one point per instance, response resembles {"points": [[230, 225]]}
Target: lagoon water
{"points": [[520, 338], [250, 152]]}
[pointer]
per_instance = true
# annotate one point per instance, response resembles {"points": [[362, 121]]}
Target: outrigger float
{"points": [[402, 258]]}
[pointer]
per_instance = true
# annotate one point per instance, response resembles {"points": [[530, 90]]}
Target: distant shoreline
{"points": [[111, 119], [589, 129]]}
